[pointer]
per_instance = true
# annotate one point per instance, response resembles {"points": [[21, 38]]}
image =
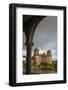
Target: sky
{"points": [[45, 36]]}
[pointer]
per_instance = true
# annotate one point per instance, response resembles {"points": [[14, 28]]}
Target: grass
{"points": [[43, 67]]}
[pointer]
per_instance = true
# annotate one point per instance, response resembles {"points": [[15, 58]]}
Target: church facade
{"points": [[42, 58]]}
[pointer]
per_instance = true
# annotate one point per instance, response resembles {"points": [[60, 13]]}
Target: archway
{"points": [[29, 27]]}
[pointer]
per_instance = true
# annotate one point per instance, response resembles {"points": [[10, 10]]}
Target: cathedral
{"points": [[42, 58]]}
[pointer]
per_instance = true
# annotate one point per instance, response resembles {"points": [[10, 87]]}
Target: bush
{"points": [[47, 67], [44, 64]]}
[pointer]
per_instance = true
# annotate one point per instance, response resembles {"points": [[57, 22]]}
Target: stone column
{"points": [[28, 59]]}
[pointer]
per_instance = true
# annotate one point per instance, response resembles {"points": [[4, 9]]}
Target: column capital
{"points": [[29, 44]]}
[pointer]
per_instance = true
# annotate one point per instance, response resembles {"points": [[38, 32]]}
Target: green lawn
{"points": [[43, 68]]}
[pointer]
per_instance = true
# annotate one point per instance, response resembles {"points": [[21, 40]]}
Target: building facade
{"points": [[42, 58]]}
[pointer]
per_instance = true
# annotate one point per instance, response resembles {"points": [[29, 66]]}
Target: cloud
{"points": [[24, 52]]}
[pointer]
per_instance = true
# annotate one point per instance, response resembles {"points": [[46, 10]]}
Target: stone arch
{"points": [[29, 27]]}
